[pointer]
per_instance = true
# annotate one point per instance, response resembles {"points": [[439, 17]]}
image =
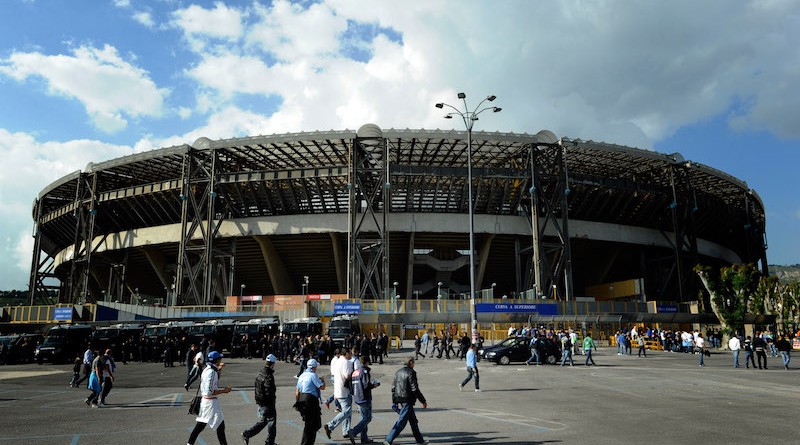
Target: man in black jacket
{"points": [[405, 392], [265, 399]]}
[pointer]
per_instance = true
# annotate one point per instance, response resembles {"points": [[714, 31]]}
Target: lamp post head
{"points": [[491, 98], [395, 283], [440, 105], [462, 96], [497, 109], [448, 116], [243, 286], [440, 283]]}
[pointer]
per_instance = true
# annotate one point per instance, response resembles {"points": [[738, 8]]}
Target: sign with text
{"points": [[317, 297], [62, 314], [543, 309], [347, 308], [666, 309]]}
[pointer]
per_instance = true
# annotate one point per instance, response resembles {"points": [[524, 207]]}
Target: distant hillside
{"points": [[786, 273]]}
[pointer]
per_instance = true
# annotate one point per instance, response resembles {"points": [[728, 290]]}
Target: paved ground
{"points": [[663, 399]]}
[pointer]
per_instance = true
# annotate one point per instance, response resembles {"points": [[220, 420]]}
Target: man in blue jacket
{"points": [[362, 396], [472, 369]]}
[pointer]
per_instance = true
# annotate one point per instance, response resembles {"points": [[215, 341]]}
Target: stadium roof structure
{"points": [[393, 172]]}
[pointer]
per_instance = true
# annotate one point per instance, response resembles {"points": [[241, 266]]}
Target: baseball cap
{"points": [[214, 355], [272, 359], [312, 364]]}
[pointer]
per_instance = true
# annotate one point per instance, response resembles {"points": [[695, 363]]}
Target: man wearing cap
{"points": [[307, 396], [210, 411], [265, 399]]}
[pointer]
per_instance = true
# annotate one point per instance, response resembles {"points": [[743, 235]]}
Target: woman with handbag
{"points": [[210, 412]]}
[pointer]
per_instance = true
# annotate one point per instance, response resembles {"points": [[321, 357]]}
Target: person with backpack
{"points": [[362, 386], [265, 399], [534, 347], [566, 350]]}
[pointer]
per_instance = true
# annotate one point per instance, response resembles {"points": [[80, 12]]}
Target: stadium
{"points": [[379, 213]]}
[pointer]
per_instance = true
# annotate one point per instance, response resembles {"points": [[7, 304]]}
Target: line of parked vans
{"points": [[63, 343]]}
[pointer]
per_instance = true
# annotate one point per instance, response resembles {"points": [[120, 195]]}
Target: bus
{"points": [[343, 326], [302, 326], [63, 343], [255, 329]]}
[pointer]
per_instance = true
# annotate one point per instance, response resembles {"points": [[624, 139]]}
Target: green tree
{"points": [[731, 291]]}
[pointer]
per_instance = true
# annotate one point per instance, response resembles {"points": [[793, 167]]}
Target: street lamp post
{"points": [[304, 285], [469, 118], [241, 292]]}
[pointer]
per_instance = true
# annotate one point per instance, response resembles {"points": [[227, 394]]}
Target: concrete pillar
{"points": [[484, 259], [340, 262], [159, 263], [410, 266], [278, 276]]}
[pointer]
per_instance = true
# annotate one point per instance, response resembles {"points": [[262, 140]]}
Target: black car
{"points": [[517, 349], [20, 348]]}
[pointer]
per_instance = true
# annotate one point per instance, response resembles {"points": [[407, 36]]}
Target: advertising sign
{"points": [[346, 308], [666, 309], [544, 309], [62, 314]]}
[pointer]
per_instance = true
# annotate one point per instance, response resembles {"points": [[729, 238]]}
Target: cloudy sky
{"points": [[90, 80]]}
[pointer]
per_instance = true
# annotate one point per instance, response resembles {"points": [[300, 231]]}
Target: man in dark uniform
{"points": [[265, 399], [405, 393]]}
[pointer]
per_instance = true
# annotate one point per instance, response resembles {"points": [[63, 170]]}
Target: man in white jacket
{"points": [[342, 370], [735, 346]]}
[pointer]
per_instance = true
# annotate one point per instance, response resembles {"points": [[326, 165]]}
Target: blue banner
{"points": [[543, 309], [346, 308], [62, 314], [660, 308]]}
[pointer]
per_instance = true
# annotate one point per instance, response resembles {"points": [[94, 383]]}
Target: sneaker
{"points": [[386, 443], [478, 390], [88, 403], [186, 387], [94, 405], [327, 430], [460, 387], [245, 439]]}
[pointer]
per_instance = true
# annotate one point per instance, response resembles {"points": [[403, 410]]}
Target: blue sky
{"points": [[90, 80]]}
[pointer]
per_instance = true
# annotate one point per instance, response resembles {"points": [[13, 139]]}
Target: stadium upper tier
{"points": [[308, 174]]}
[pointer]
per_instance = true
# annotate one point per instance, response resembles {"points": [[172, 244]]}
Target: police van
{"points": [[343, 326], [303, 327], [255, 329]]}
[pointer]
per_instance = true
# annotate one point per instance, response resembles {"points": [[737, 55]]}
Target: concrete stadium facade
{"points": [[346, 212]]}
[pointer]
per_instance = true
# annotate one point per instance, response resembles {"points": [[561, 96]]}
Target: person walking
{"points": [[210, 411], [748, 353], [362, 396], [735, 346], [534, 348], [88, 357], [94, 381], [198, 359], [472, 369], [699, 344], [784, 347], [265, 399], [342, 373], [107, 368], [417, 346], [588, 345], [307, 395], [760, 348], [640, 340], [425, 340], [566, 350], [405, 393]]}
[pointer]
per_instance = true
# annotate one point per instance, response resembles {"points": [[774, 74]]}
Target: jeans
{"points": [[736, 358], [366, 418], [700, 351], [534, 356], [642, 351], [761, 355], [107, 385], [589, 358], [566, 354], [748, 358], [344, 416], [266, 418], [472, 371], [786, 358], [407, 415]]}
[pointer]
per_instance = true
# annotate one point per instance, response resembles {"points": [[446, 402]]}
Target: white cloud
{"points": [[145, 18], [111, 89], [28, 166], [199, 24]]}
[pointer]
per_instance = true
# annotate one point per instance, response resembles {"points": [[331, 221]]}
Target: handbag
{"points": [[194, 405]]}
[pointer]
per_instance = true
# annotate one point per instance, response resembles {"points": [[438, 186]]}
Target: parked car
{"points": [[20, 347], [517, 349]]}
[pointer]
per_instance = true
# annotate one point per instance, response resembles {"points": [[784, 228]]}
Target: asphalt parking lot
{"points": [[663, 399]]}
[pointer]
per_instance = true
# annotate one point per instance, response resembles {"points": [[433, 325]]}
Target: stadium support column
{"points": [[549, 210], [682, 210], [369, 188], [42, 264], [84, 212], [195, 281], [755, 233]]}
